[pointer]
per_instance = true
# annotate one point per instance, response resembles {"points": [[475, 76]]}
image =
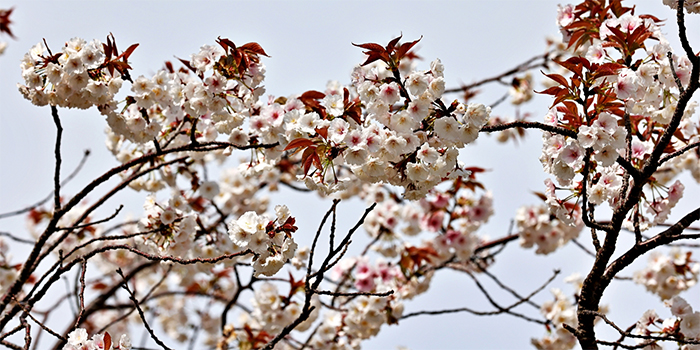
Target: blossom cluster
{"points": [[78, 340], [683, 325], [273, 311], [668, 275], [270, 240], [453, 214], [362, 319], [537, 226], [173, 226], [645, 92], [365, 126], [80, 76], [391, 126], [559, 312]]}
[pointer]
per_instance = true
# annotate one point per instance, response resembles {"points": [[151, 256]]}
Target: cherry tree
{"points": [[211, 262]]}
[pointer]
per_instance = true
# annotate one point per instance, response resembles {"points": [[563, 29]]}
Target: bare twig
{"points": [[155, 338], [50, 195]]}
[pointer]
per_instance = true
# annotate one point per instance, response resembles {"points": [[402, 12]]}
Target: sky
{"points": [[310, 43]]}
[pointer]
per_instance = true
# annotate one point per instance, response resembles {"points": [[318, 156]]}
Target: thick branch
{"points": [[530, 125]]}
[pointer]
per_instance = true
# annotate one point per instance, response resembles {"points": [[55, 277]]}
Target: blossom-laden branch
{"points": [[390, 137]]}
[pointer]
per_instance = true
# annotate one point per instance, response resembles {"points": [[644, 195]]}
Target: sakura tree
{"points": [[211, 261]]}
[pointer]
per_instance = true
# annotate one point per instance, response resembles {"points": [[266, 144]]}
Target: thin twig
{"points": [[50, 195], [155, 338]]}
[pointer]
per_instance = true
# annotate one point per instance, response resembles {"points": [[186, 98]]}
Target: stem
{"points": [[57, 155]]}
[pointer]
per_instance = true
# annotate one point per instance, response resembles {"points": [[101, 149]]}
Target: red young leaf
{"points": [[294, 285], [323, 132], [540, 195], [558, 78], [254, 48], [375, 56], [125, 55], [188, 65], [554, 90], [404, 48], [300, 142], [474, 169], [571, 107], [313, 95], [5, 22], [371, 46], [308, 158], [354, 112], [99, 286], [374, 51], [226, 43], [655, 19], [392, 44], [107, 340], [169, 67]]}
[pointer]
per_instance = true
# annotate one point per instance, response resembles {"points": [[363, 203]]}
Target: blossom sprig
{"points": [[80, 76], [383, 143], [618, 108], [683, 326], [269, 240], [668, 275], [561, 314], [390, 126], [452, 215], [588, 21], [78, 340], [537, 226]]}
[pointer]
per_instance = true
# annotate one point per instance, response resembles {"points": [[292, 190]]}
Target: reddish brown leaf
{"points": [[107, 340], [323, 132], [371, 46], [99, 286], [308, 158], [294, 285], [540, 195], [125, 55], [375, 56], [300, 142], [655, 19], [554, 90], [392, 44], [571, 108], [188, 65], [475, 169], [405, 47], [5, 22], [559, 79], [312, 95], [254, 48], [226, 44], [354, 111]]}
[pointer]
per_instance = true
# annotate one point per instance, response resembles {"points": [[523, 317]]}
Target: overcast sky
{"points": [[310, 43]]}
